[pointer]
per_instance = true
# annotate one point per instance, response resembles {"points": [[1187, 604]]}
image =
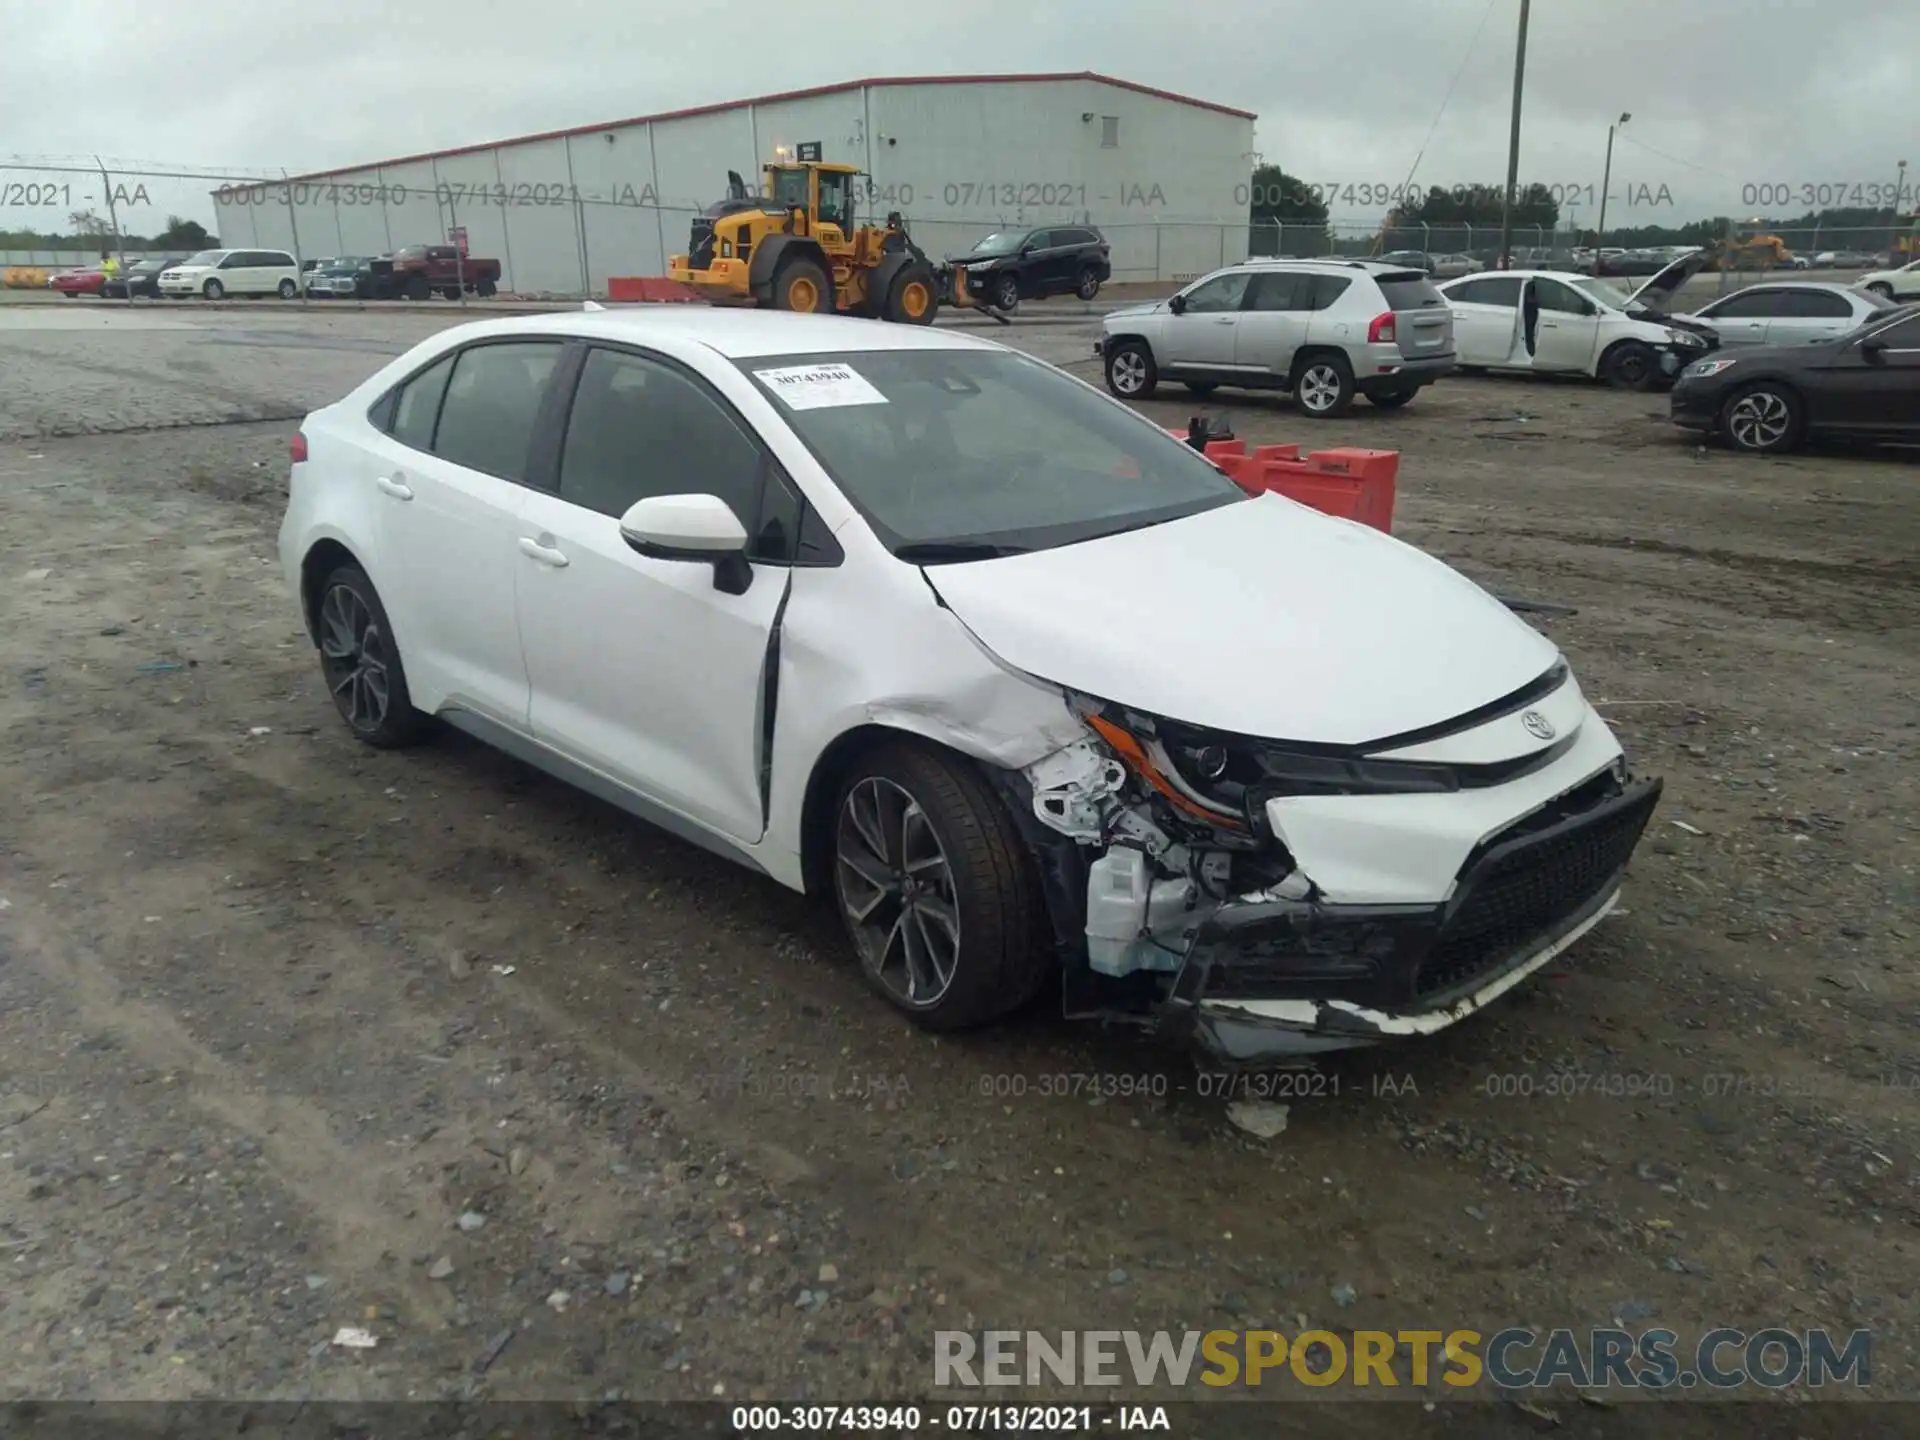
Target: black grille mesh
{"points": [[1518, 900]]}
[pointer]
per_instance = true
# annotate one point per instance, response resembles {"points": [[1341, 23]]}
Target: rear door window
{"points": [[1281, 290], [417, 406], [1321, 291], [492, 402], [1816, 305]]}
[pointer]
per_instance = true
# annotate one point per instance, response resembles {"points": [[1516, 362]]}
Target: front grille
{"points": [[700, 244], [1525, 892]]}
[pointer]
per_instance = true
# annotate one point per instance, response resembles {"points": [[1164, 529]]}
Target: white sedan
{"points": [[909, 620], [1554, 321], [1901, 283]]}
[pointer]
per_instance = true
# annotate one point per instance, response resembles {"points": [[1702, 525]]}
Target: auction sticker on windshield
{"points": [[820, 387]]}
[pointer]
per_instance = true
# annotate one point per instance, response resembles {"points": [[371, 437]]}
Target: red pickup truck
{"points": [[420, 271]]}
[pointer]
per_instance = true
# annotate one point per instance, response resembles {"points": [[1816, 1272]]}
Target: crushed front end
{"points": [[1270, 900]]}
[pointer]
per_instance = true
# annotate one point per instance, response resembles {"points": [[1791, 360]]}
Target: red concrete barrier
{"points": [[648, 289], [1354, 484]]}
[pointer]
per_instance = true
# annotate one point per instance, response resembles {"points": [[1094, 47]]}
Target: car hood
{"points": [[1263, 618], [1657, 294], [1133, 312], [981, 262]]}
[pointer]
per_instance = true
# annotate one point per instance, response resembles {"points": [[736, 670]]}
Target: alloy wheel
{"points": [[353, 654], [896, 891], [1759, 421], [1129, 372], [1320, 387]]}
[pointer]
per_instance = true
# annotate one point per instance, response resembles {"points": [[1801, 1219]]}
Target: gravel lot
{"points": [[294, 1035]]}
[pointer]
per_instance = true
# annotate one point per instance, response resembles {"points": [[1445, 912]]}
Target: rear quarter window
{"points": [[1410, 291]]}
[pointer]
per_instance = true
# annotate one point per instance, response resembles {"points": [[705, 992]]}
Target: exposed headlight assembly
{"points": [[1701, 369], [1224, 779]]}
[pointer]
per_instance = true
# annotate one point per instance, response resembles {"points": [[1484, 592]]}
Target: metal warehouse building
{"points": [[1164, 176]]}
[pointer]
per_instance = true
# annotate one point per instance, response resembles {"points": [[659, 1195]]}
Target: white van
{"points": [[219, 273]]}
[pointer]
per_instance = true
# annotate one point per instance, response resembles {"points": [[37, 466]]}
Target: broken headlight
{"points": [[1225, 779]]}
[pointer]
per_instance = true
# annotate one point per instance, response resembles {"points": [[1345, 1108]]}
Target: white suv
{"points": [[219, 273], [1326, 330], [906, 619]]}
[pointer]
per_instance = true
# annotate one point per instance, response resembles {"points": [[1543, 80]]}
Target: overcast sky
{"points": [[1725, 94]]}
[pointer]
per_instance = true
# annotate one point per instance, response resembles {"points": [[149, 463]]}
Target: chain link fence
{"points": [[557, 241]]}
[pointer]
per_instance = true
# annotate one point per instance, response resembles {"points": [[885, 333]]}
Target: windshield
{"points": [[963, 454], [205, 257], [344, 262], [1595, 288], [1001, 242]]}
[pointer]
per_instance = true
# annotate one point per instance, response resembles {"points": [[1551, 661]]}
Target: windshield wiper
{"points": [[935, 552]]}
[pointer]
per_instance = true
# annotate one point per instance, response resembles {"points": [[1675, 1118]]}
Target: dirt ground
{"points": [[296, 1036]]}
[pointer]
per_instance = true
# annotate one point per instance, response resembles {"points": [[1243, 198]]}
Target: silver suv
{"points": [[1324, 330]]}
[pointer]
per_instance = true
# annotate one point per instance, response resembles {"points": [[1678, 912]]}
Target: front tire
{"points": [[1131, 373], [288, 289], [1006, 293], [910, 297], [1632, 366], [1324, 388], [1089, 285], [213, 290], [362, 664], [1764, 419], [802, 286], [936, 889]]}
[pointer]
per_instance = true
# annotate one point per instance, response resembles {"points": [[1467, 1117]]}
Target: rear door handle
{"points": [[546, 555], [395, 486], [1224, 320]]}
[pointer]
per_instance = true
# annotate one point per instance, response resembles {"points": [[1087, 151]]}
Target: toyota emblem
{"points": [[1537, 725]]}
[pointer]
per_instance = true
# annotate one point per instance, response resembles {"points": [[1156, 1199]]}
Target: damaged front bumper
{"points": [[1268, 979]]}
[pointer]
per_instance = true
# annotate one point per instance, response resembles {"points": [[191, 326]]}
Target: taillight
{"points": [[1380, 332], [297, 447]]}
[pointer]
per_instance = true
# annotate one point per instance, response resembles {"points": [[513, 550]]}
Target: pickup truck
{"points": [[420, 271]]}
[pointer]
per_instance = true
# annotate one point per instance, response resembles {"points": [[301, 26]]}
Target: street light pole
{"points": [[1513, 142], [1606, 180]]}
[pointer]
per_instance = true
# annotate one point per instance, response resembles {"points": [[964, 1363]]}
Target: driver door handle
{"points": [[1224, 320], [533, 549], [395, 485]]}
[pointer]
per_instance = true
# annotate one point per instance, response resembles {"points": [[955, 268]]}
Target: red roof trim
{"points": [[807, 94]]}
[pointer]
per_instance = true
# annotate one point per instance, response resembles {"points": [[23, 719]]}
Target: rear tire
{"points": [[361, 662], [1201, 387], [1089, 285], [911, 297], [418, 288], [1764, 419], [803, 287], [1392, 399], [486, 289], [1131, 373], [1324, 387], [452, 292], [936, 889]]}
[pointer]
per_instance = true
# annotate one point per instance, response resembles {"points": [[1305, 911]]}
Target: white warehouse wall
{"points": [[564, 212]]}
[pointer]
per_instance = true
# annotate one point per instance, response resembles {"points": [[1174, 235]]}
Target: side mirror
{"points": [[701, 529], [1872, 348], [1178, 304]]}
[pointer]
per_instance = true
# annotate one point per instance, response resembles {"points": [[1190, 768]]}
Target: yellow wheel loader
{"points": [[796, 246]]}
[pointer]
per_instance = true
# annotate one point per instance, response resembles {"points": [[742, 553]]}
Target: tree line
{"points": [[1280, 198], [89, 234]]}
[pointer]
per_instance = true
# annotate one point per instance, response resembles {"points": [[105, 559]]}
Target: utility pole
{"points": [[1513, 143], [1606, 179]]}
